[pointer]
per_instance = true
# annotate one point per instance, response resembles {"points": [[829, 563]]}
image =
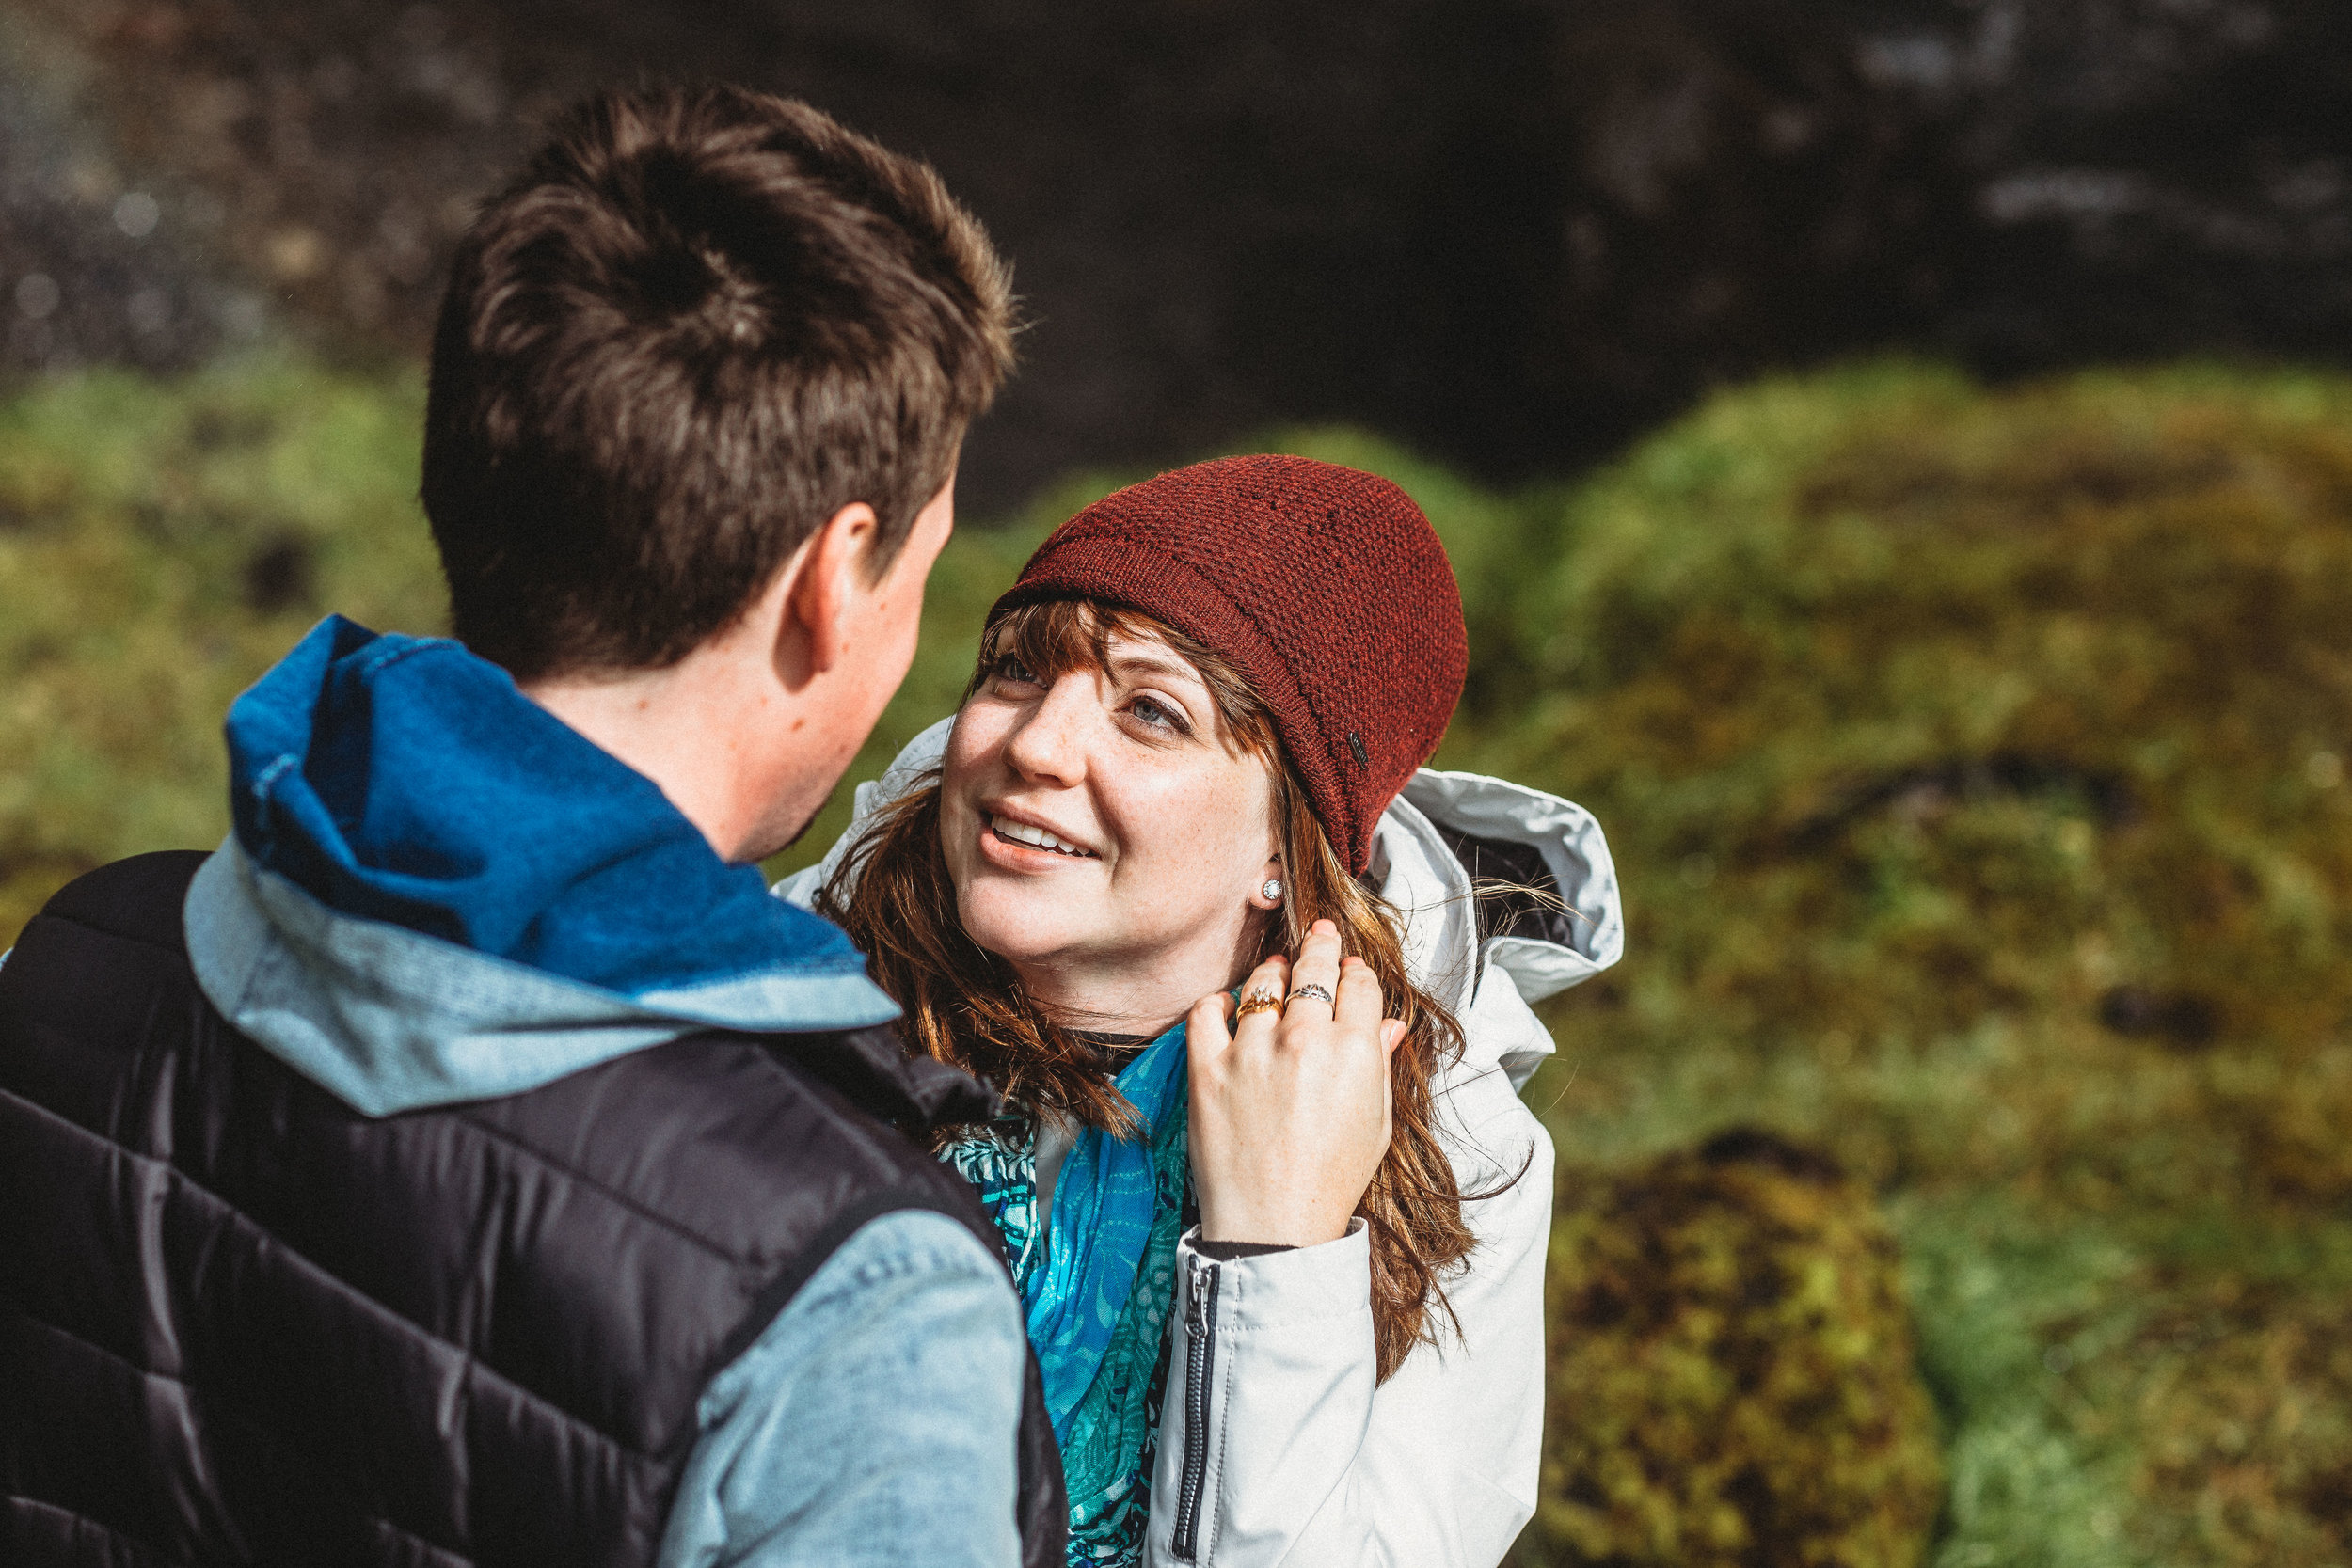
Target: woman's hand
{"points": [[1290, 1109]]}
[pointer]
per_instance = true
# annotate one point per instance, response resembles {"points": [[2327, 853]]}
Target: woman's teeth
{"points": [[1036, 838]]}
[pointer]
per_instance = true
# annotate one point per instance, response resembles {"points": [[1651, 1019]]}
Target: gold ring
{"points": [[1259, 1001]]}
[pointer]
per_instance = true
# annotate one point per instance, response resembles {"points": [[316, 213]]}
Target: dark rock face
{"points": [[89, 268], [1513, 232]]}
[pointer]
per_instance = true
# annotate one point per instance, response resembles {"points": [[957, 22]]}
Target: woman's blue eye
{"points": [[1011, 668], [1157, 713]]}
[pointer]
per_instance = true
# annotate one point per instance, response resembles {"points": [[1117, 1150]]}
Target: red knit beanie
{"points": [[1326, 586]]}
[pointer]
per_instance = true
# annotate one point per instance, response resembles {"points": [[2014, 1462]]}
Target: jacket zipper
{"points": [[1200, 1358]]}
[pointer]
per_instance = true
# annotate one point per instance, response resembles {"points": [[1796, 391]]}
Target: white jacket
{"points": [[1299, 1460]]}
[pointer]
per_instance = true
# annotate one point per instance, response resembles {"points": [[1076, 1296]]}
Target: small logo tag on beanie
{"points": [[1356, 744]]}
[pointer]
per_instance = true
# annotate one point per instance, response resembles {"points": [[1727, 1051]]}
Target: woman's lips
{"points": [[1024, 845]]}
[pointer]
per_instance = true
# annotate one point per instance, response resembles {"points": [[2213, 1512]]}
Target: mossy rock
{"points": [[1978, 763], [1732, 1377]]}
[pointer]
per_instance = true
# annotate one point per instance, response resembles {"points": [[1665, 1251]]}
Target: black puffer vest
{"points": [[242, 1324]]}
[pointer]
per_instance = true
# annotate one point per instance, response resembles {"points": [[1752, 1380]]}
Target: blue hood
{"points": [[437, 891]]}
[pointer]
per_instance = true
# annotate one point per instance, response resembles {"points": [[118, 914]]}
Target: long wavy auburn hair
{"points": [[965, 1007]]}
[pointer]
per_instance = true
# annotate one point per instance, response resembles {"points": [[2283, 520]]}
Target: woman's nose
{"points": [[1049, 744]]}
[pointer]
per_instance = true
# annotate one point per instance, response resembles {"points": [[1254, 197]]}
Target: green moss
{"points": [[1996, 738], [2004, 1302], [1975, 763], [161, 543], [1732, 1377], [2235, 1402]]}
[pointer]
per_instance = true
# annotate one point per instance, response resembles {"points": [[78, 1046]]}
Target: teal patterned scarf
{"points": [[1098, 1279]]}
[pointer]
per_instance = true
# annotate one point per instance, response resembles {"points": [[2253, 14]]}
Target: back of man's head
{"points": [[699, 326]]}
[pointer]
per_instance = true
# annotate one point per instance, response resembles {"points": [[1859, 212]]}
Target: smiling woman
{"points": [[1282, 1262], [1092, 789]]}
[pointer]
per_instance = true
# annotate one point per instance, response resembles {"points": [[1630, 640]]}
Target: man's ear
{"points": [[822, 587]]}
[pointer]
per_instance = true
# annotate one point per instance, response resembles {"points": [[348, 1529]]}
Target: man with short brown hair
{"points": [[695, 328], [469, 1163]]}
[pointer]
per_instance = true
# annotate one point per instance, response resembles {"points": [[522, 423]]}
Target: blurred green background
{"points": [[1953, 1171]]}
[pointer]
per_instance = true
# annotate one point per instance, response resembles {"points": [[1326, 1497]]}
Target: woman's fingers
{"points": [[1291, 1119], [1267, 983], [1359, 1005], [1318, 966], [1205, 1032]]}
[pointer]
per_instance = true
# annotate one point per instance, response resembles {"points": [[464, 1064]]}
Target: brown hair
{"points": [[697, 326], [965, 1007]]}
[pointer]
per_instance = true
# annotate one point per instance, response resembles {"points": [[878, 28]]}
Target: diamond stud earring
{"points": [[1273, 890]]}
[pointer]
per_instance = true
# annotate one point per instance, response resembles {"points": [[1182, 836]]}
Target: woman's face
{"points": [[1103, 838]]}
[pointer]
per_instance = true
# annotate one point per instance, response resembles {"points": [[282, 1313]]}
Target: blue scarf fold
{"points": [[1105, 1202], [1098, 1277]]}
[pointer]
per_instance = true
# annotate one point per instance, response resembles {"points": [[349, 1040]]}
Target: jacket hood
{"points": [[1450, 853], [437, 891]]}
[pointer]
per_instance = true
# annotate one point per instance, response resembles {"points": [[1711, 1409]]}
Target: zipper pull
{"points": [[1196, 1305]]}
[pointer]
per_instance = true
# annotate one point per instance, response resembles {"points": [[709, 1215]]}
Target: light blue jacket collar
{"points": [[389, 1020]]}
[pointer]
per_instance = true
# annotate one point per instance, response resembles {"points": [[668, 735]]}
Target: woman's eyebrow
{"points": [[1130, 665]]}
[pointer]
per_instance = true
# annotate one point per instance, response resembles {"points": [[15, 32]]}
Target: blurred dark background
{"points": [[1510, 233]]}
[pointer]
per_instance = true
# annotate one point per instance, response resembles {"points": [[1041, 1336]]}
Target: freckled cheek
{"points": [[959, 821], [977, 737], [1181, 834], [968, 763]]}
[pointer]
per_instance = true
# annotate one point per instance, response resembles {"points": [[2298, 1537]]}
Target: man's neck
{"points": [[691, 728]]}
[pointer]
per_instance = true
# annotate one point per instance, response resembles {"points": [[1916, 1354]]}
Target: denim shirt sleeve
{"points": [[873, 1423]]}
